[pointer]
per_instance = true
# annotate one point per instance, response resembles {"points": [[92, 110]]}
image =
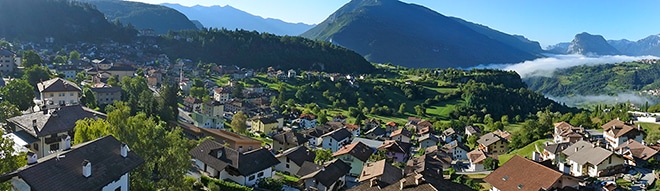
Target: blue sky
{"points": [[546, 21]]}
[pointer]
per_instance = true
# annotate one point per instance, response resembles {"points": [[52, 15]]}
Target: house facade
{"points": [[586, 159], [7, 62], [356, 155], [617, 132], [493, 144], [291, 160], [59, 91], [226, 163], [331, 177], [106, 94], [288, 139], [75, 169], [476, 159], [334, 140]]}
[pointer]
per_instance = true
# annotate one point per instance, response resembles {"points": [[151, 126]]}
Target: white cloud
{"points": [[546, 66], [607, 99]]}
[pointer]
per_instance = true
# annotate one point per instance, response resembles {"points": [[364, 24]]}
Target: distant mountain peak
{"points": [[588, 44], [231, 18]]}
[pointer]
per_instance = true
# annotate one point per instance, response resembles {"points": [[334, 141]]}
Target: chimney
{"points": [[124, 150], [34, 123], [402, 183], [419, 179], [639, 127], [576, 149], [373, 182], [31, 158], [66, 143], [219, 154], [86, 168]]}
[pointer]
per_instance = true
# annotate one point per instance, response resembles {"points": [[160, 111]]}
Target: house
{"points": [[413, 120], [339, 118], [191, 104], [234, 141], [525, 175], [7, 62], [221, 94], [45, 132], [402, 135], [635, 153], [106, 69], [268, 125], [371, 123], [106, 94], [427, 140], [207, 121], [76, 169], [413, 182], [396, 150], [375, 133], [332, 176], [457, 150], [391, 127], [355, 154], [225, 163], [69, 71], [291, 73], [493, 144], [449, 135], [424, 127], [334, 140], [586, 159], [58, 91], [354, 129], [314, 134], [476, 158], [307, 121], [291, 160], [433, 162], [472, 130], [565, 132], [617, 132], [213, 108], [288, 139], [381, 172], [374, 144], [551, 151]]}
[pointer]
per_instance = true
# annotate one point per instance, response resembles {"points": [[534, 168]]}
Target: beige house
{"points": [[58, 91], [221, 94], [493, 144], [586, 159], [617, 132], [106, 94], [7, 62]]}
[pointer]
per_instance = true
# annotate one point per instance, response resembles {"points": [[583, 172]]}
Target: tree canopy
{"points": [[20, 93]]}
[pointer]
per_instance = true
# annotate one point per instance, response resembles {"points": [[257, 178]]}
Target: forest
{"points": [[251, 49]]}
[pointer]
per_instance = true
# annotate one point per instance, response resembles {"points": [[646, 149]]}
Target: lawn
{"points": [[479, 178], [652, 131], [525, 151], [443, 109]]}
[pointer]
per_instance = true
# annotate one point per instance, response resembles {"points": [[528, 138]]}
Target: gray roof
{"points": [[5, 52], [374, 144], [65, 173], [330, 173], [308, 167], [339, 134], [299, 155], [591, 155], [455, 144], [580, 145], [106, 90], [556, 148], [489, 139], [55, 121], [244, 163], [57, 85], [377, 131], [430, 137], [290, 137]]}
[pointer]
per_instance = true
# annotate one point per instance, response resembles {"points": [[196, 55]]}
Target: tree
{"points": [[322, 117], [505, 119], [582, 119], [420, 110], [490, 163], [168, 104], [379, 155], [322, 155], [237, 92], [8, 110], [74, 55], [164, 151], [31, 59], [198, 92], [269, 183], [472, 141], [238, 122], [112, 81], [37, 74], [11, 160], [20, 93], [402, 108], [88, 98]]}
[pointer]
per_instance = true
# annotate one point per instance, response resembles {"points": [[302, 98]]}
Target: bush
{"points": [[270, 184], [223, 185]]}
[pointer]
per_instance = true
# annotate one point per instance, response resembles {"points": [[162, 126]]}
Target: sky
{"points": [[546, 21]]}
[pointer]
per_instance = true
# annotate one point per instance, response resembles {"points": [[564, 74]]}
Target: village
{"points": [[319, 154]]}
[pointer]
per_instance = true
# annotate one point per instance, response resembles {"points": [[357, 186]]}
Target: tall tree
{"points": [[8, 110], [322, 155], [11, 159], [238, 122], [31, 58], [20, 93], [168, 105], [74, 55], [36, 74], [88, 98]]}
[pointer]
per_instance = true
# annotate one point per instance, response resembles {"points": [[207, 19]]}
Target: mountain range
{"points": [[143, 16], [415, 36], [588, 44], [231, 18]]}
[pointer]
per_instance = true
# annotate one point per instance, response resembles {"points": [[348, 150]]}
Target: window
{"points": [[36, 146], [51, 95], [251, 178], [71, 94], [261, 174], [287, 160], [55, 146]]}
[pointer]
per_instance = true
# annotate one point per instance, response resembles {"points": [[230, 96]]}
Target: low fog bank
{"points": [[580, 100], [546, 66]]}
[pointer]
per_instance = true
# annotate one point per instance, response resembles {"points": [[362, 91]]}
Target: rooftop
{"points": [[522, 174], [57, 85]]}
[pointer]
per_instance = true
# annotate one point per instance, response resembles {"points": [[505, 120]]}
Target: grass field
{"points": [[524, 152], [479, 178], [442, 110]]}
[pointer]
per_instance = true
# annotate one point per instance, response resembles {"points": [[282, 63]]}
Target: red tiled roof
{"points": [[523, 174]]}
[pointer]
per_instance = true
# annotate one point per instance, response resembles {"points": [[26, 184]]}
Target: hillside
{"points": [[261, 50], [231, 18], [516, 41], [143, 16], [411, 35], [35, 20], [588, 44], [608, 79]]}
